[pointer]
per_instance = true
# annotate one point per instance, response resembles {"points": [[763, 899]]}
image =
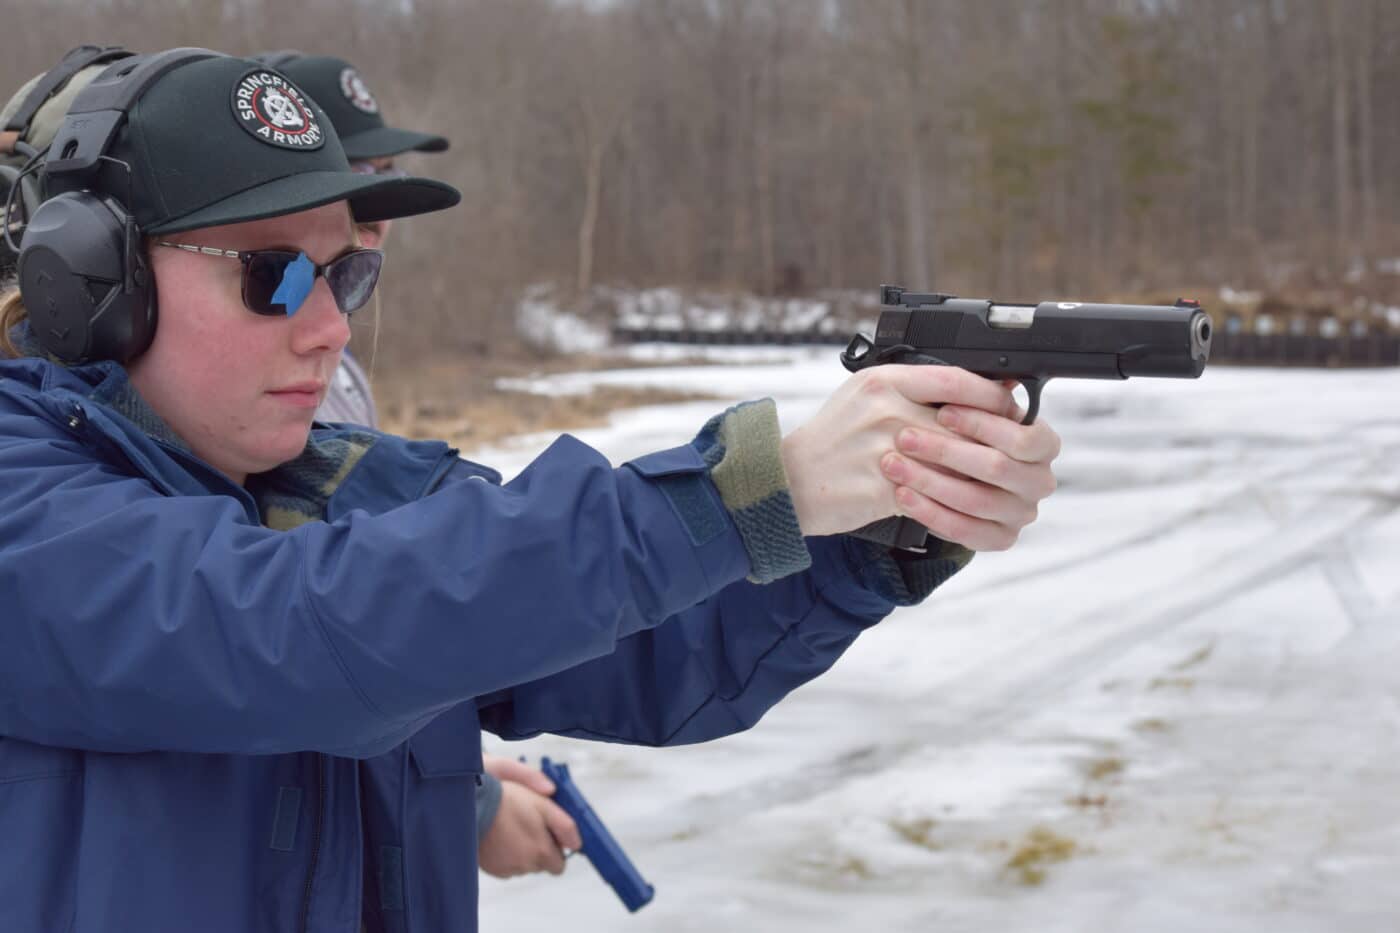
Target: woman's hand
{"points": [[968, 471]]}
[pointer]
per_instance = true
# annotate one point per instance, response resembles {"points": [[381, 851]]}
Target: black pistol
{"points": [[1031, 343]]}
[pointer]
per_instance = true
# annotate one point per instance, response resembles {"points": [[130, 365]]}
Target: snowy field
{"points": [[1172, 706]]}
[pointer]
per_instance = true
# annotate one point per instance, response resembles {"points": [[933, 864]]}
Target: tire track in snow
{"points": [[1015, 683]]}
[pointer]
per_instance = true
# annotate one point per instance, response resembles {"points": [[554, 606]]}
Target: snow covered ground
{"points": [[1172, 706]]}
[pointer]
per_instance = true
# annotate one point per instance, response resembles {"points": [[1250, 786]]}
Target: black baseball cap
{"points": [[222, 140], [341, 91]]}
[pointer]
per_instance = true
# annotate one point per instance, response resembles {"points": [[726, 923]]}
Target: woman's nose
{"points": [[318, 324]]}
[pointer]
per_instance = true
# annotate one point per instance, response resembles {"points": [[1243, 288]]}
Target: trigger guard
{"points": [[1033, 390]]}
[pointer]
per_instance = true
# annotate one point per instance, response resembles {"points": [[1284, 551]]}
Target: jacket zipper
{"points": [[315, 841], [439, 472]]}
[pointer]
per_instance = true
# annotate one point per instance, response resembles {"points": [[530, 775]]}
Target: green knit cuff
{"points": [[742, 448]]}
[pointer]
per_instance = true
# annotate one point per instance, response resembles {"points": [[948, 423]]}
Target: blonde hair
{"points": [[355, 230], [12, 314]]}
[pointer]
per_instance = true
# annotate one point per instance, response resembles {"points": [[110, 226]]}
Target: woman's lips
{"points": [[300, 395]]}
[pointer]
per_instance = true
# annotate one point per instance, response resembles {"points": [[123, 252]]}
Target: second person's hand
{"points": [[530, 833]]}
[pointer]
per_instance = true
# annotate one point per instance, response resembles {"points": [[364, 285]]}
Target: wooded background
{"points": [[1021, 149]]}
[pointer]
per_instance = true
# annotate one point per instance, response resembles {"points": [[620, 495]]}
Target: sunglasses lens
{"points": [[262, 277], [353, 276]]}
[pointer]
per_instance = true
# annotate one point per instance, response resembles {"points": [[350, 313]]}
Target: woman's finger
{"points": [[976, 534], [946, 385], [1028, 443], [1030, 482], [562, 827], [960, 494]]}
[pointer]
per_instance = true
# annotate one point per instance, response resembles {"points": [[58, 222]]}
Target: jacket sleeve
{"points": [[719, 666], [488, 803], [132, 620]]}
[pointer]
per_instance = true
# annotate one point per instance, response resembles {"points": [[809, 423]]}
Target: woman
{"points": [[243, 664]]}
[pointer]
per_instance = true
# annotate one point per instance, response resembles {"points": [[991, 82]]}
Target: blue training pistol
{"points": [[598, 844]]}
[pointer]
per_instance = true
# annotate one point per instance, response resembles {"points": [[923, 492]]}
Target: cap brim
{"points": [[371, 197], [384, 141]]}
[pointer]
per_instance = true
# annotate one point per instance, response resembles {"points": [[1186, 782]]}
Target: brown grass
{"points": [[918, 832], [853, 866], [829, 867], [1041, 847], [1088, 801], [1102, 768], [461, 403], [1196, 658]]}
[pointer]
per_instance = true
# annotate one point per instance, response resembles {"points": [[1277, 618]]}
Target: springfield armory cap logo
{"points": [[270, 108], [355, 91]]}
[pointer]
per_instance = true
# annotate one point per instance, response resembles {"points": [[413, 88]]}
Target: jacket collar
{"points": [[292, 494]]}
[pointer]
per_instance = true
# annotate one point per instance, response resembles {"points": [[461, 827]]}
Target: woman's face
{"points": [[241, 388]]}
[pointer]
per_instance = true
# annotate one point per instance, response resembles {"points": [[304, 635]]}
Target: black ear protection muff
{"points": [[83, 273]]}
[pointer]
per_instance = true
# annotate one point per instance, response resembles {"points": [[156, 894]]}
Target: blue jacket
{"points": [[207, 723]]}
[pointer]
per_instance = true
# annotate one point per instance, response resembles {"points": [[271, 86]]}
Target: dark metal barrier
{"points": [[1231, 349], [1297, 350]]}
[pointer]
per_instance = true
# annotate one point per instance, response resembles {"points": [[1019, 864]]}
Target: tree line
{"points": [[1018, 148]]}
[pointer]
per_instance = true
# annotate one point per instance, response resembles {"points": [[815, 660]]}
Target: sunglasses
{"points": [[276, 282]]}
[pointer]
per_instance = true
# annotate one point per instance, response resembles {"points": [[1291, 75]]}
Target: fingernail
{"points": [[909, 439], [893, 466], [949, 417]]}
